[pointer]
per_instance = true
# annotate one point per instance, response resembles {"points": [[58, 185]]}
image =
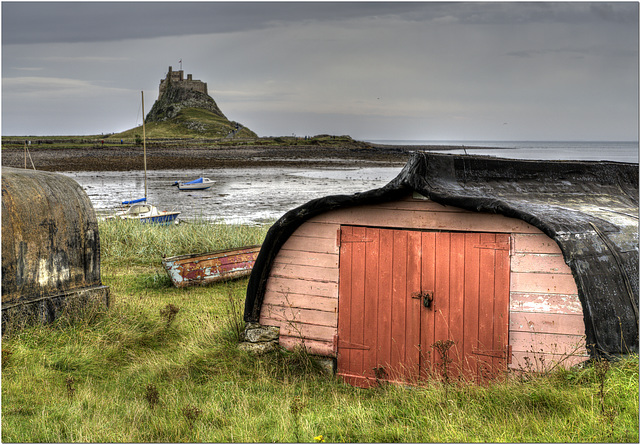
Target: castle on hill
{"points": [[176, 79], [177, 93]]}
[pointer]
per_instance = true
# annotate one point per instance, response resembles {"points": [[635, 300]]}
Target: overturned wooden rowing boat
{"points": [[207, 268]]}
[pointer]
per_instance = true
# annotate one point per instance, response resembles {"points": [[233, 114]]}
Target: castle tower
{"points": [[176, 79]]}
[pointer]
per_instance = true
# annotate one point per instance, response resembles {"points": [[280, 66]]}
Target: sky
{"points": [[371, 70]]}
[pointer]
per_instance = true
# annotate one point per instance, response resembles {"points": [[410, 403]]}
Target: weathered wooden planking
{"points": [[471, 295], [382, 321], [307, 331], [389, 217], [546, 343], [320, 348], [535, 243], [311, 244], [318, 229], [539, 263], [420, 205], [301, 315], [371, 307], [301, 301], [294, 257], [545, 303], [540, 280], [206, 268], [547, 283], [541, 362], [303, 272], [297, 286], [502, 275], [547, 323]]}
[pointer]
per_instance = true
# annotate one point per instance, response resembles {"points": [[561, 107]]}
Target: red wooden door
{"points": [[385, 331]]}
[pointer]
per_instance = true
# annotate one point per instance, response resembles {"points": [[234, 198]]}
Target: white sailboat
{"points": [[139, 209]]}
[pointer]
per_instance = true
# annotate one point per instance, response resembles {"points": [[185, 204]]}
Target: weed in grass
{"points": [[380, 373], [601, 368], [70, 388], [6, 356], [168, 314], [290, 366], [152, 396], [234, 321], [443, 347], [295, 409], [191, 413]]}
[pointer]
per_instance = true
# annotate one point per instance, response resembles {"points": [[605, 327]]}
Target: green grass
{"points": [[173, 135], [129, 242], [190, 122], [136, 374]]}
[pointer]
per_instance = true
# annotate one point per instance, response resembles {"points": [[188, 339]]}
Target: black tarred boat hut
{"points": [[521, 264]]}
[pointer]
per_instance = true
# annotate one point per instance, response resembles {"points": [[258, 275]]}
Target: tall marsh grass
{"points": [[162, 365], [130, 242]]}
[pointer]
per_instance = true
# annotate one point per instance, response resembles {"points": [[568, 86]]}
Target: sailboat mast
{"points": [[144, 147]]}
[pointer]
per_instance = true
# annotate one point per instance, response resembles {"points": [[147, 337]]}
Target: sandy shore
{"points": [[117, 158]]}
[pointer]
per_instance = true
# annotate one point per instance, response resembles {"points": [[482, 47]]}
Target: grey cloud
{"points": [[526, 12], [574, 52], [524, 53], [438, 68], [615, 12], [37, 22]]}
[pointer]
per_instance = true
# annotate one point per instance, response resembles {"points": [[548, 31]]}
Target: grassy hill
{"points": [[189, 123]]}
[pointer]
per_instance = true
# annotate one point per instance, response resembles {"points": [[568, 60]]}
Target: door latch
{"points": [[426, 296]]}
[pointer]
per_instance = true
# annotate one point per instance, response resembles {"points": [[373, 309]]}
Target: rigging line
{"points": [[618, 259], [28, 153]]}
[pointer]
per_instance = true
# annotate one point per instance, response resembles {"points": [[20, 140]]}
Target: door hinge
{"points": [[504, 246], [501, 354], [352, 345]]}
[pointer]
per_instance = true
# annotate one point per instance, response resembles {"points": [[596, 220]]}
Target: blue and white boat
{"points": [[139, 209], [201, 183]]}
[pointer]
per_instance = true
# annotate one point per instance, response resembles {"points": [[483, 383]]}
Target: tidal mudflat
{"points": [[240, 195]]}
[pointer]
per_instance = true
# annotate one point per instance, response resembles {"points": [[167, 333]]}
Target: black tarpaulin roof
{"points": [[589, 208]]}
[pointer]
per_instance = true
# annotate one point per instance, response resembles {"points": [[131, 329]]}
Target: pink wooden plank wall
{"points": [[546, 326], [546, 321]]}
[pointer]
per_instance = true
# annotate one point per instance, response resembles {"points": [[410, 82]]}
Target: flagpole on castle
{"points": [[180, 64]]}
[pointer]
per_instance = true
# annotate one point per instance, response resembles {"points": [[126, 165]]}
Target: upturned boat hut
{"points": [[492, 264], [50, 248]]}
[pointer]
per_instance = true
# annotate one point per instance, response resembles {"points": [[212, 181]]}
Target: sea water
{"points": [[624, 151], [262, 195]]}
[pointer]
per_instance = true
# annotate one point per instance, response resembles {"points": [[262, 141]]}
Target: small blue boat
{"points": [[201, 183]]}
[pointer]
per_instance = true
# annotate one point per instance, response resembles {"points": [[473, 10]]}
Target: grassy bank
{"points": [[162, 365], [123, 243], [170, 139]]}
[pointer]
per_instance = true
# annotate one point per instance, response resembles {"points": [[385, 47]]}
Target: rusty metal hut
{"points": [[50, 248], [522, 264]]}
